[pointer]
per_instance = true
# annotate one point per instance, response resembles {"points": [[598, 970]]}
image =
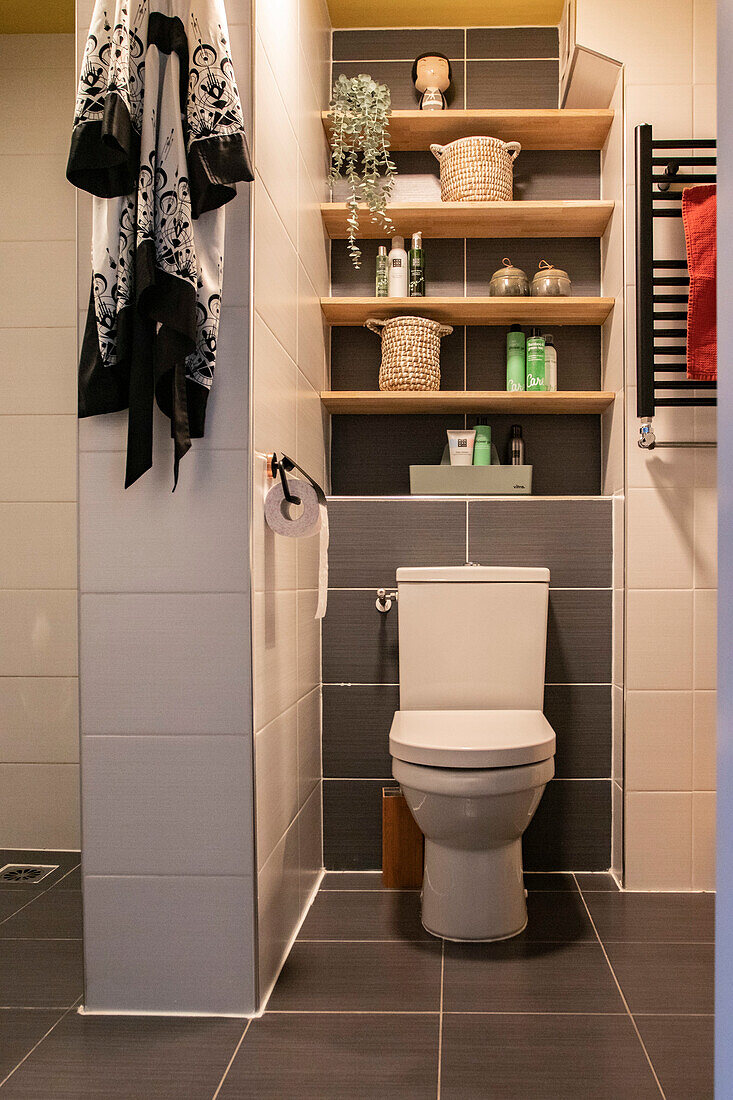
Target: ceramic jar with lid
{"points": [[551, 282], [509, 282]]}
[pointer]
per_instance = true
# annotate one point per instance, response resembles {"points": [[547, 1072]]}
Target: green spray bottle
{"points": [[515, 360], [482, 444]]}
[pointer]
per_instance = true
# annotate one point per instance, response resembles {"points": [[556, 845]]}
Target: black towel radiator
{"points": [[663, 167]]}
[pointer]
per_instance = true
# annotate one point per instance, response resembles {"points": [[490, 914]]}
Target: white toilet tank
{"points": [[472, 637]]}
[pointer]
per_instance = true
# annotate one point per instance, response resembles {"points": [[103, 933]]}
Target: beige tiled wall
{"points": [[39, 737], [290, 366], [668, 49]]}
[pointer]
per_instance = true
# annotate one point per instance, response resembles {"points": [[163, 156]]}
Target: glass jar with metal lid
{"points": [[509, 282], [551, 282]]}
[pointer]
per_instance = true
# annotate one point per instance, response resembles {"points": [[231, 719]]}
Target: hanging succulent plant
{"points": [[360, 110]]}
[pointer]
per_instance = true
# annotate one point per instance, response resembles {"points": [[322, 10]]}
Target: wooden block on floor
{"points": [[402, 843]]}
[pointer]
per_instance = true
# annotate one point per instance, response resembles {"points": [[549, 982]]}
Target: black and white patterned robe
{"points": [[159, 140]]}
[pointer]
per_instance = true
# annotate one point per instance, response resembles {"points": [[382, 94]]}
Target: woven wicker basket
{"points": [[410, 352], [476, 169]]}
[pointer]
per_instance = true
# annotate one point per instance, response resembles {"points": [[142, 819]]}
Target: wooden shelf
{"points": [[551, 129], [377, 402], [530, 218], [471, 311]]}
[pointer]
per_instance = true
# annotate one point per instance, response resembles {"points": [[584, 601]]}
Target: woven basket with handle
{"points": [[410, 352], [476, 169]]}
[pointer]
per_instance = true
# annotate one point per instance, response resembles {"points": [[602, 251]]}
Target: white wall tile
{"points": [[276, 771], [278, 907], [312, 333], [660, 538], [39, 806], [309, 642], [275, 272], [275, 655], [704, 106], [275, 393], [310, 844], [704, 740], [617, 746], [311, 135], [39, 720], [38, 458], [617, 829], [36, 265], [40, 119], [624, 31], [315, 39], [38, 545], [237, 214], [658, 841], [277, 25], [659, 740], [612, 446], [49, 363], [706, 648], [659, 640], [309, 744], [660, 469], [703, 841], [39, 635], [706, 538], [704, 40], [23, 179], [314, 247], [276, 150], [312, 431]]}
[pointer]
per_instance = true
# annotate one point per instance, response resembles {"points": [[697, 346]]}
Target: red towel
{"points": [[699, 219]]}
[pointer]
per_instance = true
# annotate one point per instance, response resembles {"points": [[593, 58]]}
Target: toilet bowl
{"points": [[471, 748]]}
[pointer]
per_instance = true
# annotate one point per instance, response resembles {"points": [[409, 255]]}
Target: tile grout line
{"points": [[41, 1040], [230, 1063], [621, 993], [35, 899], [440, 1017]]}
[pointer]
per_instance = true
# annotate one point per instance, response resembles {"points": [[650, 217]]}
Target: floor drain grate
{"points": [[26, 872]]}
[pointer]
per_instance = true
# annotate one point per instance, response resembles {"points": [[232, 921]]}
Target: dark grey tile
{"points": [[400, 45], [70, 881], [40, 973], [370, 915], [126, 1058], [64, 862], [579, 638], [352, 824], [579, 256], [328, 1057], [352, 880], [356, 354], [21, 1029], [370, 540], [356, 724], [571, 828], [549, 880], [497, 42], [578, 357], [397, 75], [557, 917], [512, 84], [54, 915], [359, 644], [557, 174], [664, 978], [521, 976], [681, 1050], [371, 455], [580, 715], [15, 898], [595, 881], [662, 918], [498, 1057], [354, 977], [571, 538], [444, 267]]}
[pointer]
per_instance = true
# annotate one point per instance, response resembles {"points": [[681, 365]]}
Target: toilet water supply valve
{"points": [[384, 599]]}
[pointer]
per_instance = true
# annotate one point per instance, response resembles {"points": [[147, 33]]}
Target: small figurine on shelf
{"points": [[432, 76]]}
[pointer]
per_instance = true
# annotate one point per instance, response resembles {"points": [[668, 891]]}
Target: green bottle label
{"points": [[536, 363], [382, 282], [417, 273]]}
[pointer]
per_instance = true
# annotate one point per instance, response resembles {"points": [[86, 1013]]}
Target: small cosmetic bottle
{"points": [[536, 361], [550, 364], [382, 280], [417, 267], [397, 279], [516, 446]]}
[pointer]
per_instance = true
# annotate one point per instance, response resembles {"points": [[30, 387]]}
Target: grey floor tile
{"points": [[557, 916], [521, 976], [328, 1057], [55, 915], [21, 1029], [549, 880], [681, 1050], [127, 1058], [64, 862], [543, 1057], [664, 978], [374, 915], [71, 880], [595, 881], [663, 918], [352, 880], [40, 973], [13, 899], [360, 977]]}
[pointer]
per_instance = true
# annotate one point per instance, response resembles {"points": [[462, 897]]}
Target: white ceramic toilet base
{"points": [[474, 895]]}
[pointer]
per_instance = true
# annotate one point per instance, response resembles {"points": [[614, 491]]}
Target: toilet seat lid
{"points": [[471, 738]]}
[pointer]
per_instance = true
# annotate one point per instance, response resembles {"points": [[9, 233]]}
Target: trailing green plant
{"points": [[360, 110]]}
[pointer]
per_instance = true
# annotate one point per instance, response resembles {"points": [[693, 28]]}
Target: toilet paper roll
{"points": [[302, 521]]}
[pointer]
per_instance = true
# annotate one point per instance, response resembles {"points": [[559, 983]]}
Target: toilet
{"points": [[471, 748]]}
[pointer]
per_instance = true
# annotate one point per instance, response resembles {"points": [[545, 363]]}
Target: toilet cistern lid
{"points": [[471, 738]]}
